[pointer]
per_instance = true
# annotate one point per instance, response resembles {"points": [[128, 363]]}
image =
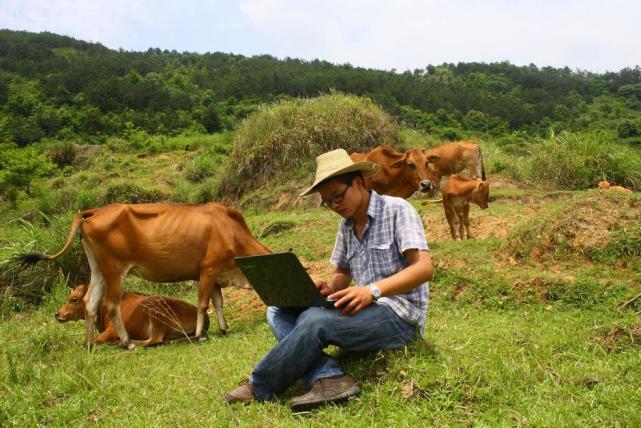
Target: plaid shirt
{"points": [[393, 226]]}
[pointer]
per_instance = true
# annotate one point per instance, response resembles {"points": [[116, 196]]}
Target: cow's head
{"points": [[481, 194], [417, 170], [74, 307]]}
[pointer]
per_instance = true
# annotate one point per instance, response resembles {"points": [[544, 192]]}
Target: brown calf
{"points": [[457, 195], [149, 320]]}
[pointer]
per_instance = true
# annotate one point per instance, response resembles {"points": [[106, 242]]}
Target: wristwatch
{"points": [[376, 292]]}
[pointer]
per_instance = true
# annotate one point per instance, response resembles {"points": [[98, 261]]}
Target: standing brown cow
{"points": [[149, 320], [401, 174], [451, 158], [457, 195], [161, 243]]}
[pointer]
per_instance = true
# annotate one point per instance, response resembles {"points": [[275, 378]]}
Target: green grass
{"points": [[526, 323]]}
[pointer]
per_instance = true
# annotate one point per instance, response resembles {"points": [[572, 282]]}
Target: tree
{"points": [[20, 166]]}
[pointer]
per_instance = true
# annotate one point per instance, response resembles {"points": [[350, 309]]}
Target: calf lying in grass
{"points": [[150, 320], [606, 185]]}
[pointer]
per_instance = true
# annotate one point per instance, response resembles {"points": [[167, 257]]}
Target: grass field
{"points": [[533, 323]]}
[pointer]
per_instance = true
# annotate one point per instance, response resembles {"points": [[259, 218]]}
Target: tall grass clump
{"points": [[281, 141], [574, 161], [29, 285]]}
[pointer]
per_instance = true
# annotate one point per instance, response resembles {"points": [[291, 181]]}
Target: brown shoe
{"points": [[324, 391], [243, 393]]}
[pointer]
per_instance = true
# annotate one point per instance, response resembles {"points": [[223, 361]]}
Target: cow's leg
{"points": [[466, 220], [205, 289], [93, 296], [109, 335], [113, 300], [460, 222], [217, 298], [451, 220], [156, 335]]}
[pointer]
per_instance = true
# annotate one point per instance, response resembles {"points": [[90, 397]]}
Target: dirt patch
{"points": [[482, 226], [243, 303], [621, 337]]}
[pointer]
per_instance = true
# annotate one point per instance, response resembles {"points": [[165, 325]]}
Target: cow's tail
{"points": [[482, 166], [28, 259], [432, 201]]}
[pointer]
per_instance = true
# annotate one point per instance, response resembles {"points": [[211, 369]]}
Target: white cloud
{"points": [[407, 34]]}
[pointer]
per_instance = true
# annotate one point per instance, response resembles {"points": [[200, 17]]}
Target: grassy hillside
{"points": [[534, 322], [536, 337]]}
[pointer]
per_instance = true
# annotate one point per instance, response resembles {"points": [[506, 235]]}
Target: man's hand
{"points": [[352, 299], [323, 287]]}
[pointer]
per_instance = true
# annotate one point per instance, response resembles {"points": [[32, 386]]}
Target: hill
{"points": [[55, 87]]}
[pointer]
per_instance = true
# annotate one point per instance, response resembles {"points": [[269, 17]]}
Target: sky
{"points": [[588, 35]]}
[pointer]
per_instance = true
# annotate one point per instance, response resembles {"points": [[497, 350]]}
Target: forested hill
{"points": [[57, 87]]}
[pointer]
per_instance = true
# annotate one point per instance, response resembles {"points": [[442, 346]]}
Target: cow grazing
{"points": [[457, 195], [161, 243], [149, 320], [451, 158], [401, 174]]}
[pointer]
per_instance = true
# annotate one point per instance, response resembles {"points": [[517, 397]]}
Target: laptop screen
{"points": [[281, 280]]}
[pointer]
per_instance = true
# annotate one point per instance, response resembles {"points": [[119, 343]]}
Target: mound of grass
{"points": [[587, 225], [574, 161], [280, 142]]}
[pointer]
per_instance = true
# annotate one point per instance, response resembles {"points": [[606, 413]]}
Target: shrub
{"points": [[576, 161], [281, 141], [130, 193], [63, 154]]}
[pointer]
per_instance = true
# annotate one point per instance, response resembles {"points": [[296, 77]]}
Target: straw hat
{"points": [[338, 162]]}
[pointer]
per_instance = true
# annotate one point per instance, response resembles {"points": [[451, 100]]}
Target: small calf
{"points": [[457, 195], [605, 185], [150, 320]]}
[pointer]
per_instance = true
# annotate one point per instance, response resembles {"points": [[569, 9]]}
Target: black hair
{"points": [[348, 177]]}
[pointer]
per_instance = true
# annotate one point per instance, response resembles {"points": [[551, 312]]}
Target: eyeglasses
{"points": [[334, 200]]}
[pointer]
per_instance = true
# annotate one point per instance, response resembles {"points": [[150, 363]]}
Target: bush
{"points": [[63, 154], [574, 161], [130, 193], [281, 141]]}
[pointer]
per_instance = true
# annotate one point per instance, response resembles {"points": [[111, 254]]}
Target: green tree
{"points": [[20, 166]]}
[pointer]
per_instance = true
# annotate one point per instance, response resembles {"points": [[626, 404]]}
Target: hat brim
{"points": [[367, 169]]}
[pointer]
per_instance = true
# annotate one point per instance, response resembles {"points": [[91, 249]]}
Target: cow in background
{"points": [[149, 320], [401, 174], [457, 195], [451, 158], [160, 243], [605, 185]]}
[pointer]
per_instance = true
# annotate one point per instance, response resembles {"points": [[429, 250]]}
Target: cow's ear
{"points": [[432, 158], [399, 164]]}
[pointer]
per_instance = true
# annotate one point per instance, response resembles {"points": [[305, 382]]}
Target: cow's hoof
{"points": [[203, 338], [224, 331], [129, 346]]}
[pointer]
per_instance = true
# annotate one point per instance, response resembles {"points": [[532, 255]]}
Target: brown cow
{"points": [[401, 174], [605, 185], [451, 158], [149, 320], [457, 195], [161, 243]]}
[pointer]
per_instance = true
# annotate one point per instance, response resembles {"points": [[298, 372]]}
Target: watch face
{"points": [[376, 292]]}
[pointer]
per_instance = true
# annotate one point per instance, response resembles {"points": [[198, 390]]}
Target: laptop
{"points": [[281, 280]]}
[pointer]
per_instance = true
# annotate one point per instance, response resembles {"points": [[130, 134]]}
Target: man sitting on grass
{"points": [[381, 245]]}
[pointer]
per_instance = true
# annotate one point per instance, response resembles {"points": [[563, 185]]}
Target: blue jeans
{"points": [[302, 335]]}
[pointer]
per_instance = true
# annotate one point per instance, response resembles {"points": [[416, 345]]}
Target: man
{"points": [[380, 245]]}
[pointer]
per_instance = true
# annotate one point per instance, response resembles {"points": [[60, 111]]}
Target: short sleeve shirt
{"points": [[393, 226]]}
